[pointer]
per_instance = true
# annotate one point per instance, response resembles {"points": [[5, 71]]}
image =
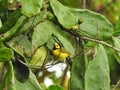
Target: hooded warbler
{"points": [[61, 53]]}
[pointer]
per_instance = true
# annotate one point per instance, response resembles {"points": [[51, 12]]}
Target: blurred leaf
{"points": [[116, 43], [31, 8], [1, 43], [42, 32], [32, 22], [64, 16], [39, 56], [5, 54], [116, 31], [21, 71], [50, 43], [12, 31], [0, 23], [97, 72], [30, 84], [3, 10], [22, 44], [94, 25], [8, 82], [55, 87], [71, 3], [78, 70], [11, 21], [114, 66], [51, 16]]}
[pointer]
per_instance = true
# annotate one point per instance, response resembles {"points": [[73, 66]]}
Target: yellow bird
{"points": [[61, 53]]}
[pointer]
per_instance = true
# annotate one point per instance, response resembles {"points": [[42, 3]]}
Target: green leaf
{"points": [[8, 82], [42, 32], [10, 22], [116, 42], [97, 72], [94, 25], [1, 43], [21, 71], [12, 31], [39, 56], [55, 87], [114, 66], [76, 81], [22, 44], [116, 31], [64, 16], [3, 10], [31, 8], [32, 22], [50, 43], [30, 84], [71, 3], [5, 54]]}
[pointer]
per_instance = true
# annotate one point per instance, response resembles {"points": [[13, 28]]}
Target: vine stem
{"points": [[101, 42]]}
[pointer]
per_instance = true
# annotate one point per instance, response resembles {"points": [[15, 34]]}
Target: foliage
{"points": [[27, 36]]}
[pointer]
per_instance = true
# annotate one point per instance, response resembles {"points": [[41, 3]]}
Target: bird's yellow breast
{"points": [[59, 54]]}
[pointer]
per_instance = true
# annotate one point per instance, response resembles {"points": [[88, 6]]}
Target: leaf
{"points": [[116, 43], [42, 32], [8, 82], [11, 21], [0, 23], [94, 25], [6, 54], [71, 3], [32, 22], [50, 43], [12, 31], [97, 72], [22, 44], [21, 71], [39, 56], [64, 16], [116, 31], [1, 43], [30, 84], [55, 87], [3, 10], [31, 8], [76, 81], [114, 66]]}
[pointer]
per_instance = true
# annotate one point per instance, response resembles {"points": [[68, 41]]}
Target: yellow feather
{"points": [[60, 54]]}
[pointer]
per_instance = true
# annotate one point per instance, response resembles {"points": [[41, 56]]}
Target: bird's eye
{"points": [[57, 45]]}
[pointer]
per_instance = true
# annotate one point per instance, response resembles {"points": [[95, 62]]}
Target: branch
{"points": [[115, 87], [101, 42]]}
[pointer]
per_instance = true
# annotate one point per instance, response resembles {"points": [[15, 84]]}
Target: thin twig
{"points": [[101, 42], [115, 87], [38, 67]]}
